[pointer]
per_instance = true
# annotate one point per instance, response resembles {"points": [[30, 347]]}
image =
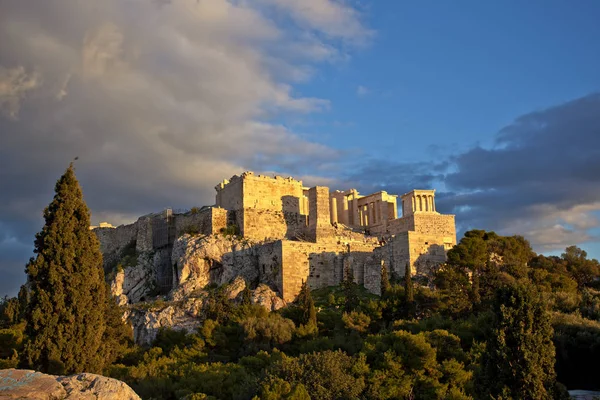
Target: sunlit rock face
{"points": [[27, 384]]}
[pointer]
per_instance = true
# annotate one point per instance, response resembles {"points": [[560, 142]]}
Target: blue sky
{"points": [[454, 73], [494, 104]]}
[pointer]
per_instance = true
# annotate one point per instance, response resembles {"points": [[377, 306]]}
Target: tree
{"points": [[408, 285], [385, 280], [584, 271], [350, 290], [307, 306], [519, 358], [68, 301]]}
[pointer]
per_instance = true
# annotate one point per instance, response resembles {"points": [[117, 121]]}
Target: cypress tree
{"points": [[519, 359], [350, 290], [307, 305], [68, 301], [408, 285], [385, 280]]}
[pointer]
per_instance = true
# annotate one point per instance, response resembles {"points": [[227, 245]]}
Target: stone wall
{"points": [[144, 242], [422, 252], [207, 221], [114, 240], [435, 224], [321, 264], [319, 218], [426, 252], [260, 224], [276, 194], [230, 194]]}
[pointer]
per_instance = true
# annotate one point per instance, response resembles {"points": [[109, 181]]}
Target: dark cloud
{"points": [[541, 178], [160, 100]]}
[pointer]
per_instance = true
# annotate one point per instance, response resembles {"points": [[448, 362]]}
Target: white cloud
{"points": [[15, 83], [333, 18], [362, 91]]}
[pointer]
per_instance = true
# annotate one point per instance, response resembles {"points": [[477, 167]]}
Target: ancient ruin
{"points": [[289, 234]]}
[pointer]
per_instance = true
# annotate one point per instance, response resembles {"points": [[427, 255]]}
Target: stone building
{"points": [[305, 234]]}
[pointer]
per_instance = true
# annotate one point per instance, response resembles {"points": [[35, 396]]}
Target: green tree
{"points": [[409, 290], [385, 280], [68, 303], [350, 290], [307, 306], [584, 271], [519, 358]]}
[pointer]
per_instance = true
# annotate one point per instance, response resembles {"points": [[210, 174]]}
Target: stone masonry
{"points": [[313, 234]]}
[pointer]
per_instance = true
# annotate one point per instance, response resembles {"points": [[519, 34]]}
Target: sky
{"points": [[496, 105]]}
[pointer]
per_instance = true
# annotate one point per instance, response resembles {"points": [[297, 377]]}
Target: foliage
{"points": [[71, 323], [519, 357]]}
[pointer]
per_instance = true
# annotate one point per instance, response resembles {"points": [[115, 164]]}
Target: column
{"points": [[345, 211], [333, 210], [356, 215]]}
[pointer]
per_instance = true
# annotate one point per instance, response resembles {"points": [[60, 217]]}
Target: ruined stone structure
{"points": [[297, 234]]}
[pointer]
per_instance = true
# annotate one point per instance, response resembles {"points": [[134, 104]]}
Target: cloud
{"points": [[159, 99], [333, 18], [362, 91], [14, 85], [540, 179]]}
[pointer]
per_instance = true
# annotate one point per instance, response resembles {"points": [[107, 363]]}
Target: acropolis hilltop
{"points": [[294, 233]]}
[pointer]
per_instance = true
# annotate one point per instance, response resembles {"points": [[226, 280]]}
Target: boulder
{"points": [[235, 288], [27, 384], [267, 298], [181, 315]]}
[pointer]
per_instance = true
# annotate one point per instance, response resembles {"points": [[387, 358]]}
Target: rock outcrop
{"points": [[27, 384], [215, 259], [134, 283], [266, 297], [181, 315]]}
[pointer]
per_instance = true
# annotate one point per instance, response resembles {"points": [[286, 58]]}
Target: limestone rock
{"points": [[181, 315], [96, 387], [134, 283], [27, 384], [267, 298], [216, 259], [235, 288]]}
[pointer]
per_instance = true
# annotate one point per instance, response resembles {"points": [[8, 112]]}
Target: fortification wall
{"points": [[276, 194], [321, 264], [426, 252], [435, 224], [207, 221], [114, 240], [260, 224], [230, 194], [270, 265], [319, 219], [395, 254], [144, 242], [400, 225]]}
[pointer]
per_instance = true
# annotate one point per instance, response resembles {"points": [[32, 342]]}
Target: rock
{"points": [[134, 283], [27, 384], [216, 259], [235, 288], [267, 298], [182, 315]]}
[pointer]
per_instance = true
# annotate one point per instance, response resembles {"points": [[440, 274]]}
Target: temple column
{"points": [[333, 210], [345, 211]]}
